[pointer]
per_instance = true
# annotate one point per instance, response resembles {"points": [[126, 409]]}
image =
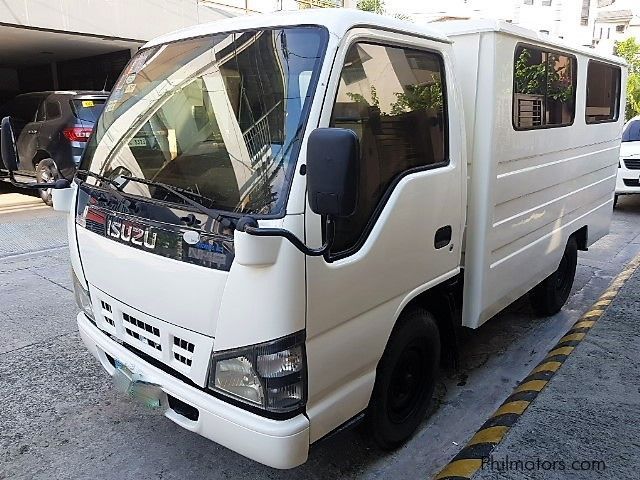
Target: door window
{"points": [[394, 99]]}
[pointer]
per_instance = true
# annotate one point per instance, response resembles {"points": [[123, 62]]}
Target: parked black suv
{"points": [[52, 129]]}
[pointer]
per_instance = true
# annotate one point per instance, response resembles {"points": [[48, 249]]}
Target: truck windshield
{"points": [[221, 116], [632, 132]]}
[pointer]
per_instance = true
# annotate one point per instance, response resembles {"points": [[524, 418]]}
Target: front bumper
{"points": [[279, 444], [627, 181]]}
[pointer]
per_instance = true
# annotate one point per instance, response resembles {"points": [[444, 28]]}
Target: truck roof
{"points": [[337, 20], [454, 28]]}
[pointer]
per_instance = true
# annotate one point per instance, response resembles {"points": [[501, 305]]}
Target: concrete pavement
{"points": [[61, 418], [584, 424]]}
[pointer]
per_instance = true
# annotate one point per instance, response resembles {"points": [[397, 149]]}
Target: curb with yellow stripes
{"points": [[469, 460]]}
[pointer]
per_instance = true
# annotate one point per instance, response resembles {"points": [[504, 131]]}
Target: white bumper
{"points": [[632, 178], [278, 444]]}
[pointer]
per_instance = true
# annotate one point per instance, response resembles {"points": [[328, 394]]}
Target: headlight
{"points": [[82, 297], [271, 376]]}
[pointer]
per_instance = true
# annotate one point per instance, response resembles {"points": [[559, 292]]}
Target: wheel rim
{"points": [[46, 176], [409, 381]]}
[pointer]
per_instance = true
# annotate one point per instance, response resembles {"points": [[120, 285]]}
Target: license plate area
{"points": [[138, 142], [137, 389]]}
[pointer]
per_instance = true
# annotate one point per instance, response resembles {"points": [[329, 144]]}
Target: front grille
{"points": [[143, 332], [94, 227], [107, 313], [183, 351], [631, 182], [632, 163]]}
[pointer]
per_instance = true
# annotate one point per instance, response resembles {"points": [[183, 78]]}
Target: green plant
{"points": [[630, 51], [358, 98], [544, 78], [418, 97], [375, 6]]}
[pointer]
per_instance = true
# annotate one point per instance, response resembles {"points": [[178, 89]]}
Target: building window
{"points": [[544, 88], [603, 93], [546, 3], [620, 29], [398, 111], [528, 2], [584, 17]]}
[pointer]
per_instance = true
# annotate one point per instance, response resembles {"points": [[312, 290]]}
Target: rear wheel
{"points": [[550, 295], [47, 172], [405, 379]]}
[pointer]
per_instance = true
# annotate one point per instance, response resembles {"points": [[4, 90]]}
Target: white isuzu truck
{"points": [[281, 222]]}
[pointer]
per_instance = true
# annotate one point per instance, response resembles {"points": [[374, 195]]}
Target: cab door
{"points": [[27, 143], [395, 92]]}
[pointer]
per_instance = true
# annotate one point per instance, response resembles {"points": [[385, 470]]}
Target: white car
{"points": [[628, 180]]}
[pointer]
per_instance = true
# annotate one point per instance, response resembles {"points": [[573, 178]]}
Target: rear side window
{"points": [[53, 110], [632, 132], [394, 100], [24, 108], [87, 110], [544, 88], [603, 93], [40, 115]]}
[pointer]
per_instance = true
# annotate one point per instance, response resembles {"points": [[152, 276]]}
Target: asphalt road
{"points": [[61, 418]]}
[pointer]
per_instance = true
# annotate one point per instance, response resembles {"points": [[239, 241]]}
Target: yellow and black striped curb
{"points": [[469, 460]]}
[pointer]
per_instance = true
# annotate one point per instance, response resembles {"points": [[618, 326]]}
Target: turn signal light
{"points": [[77, 134]]}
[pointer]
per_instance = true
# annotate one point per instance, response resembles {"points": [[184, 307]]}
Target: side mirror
{"points": [[8, 146], [333, 158], [333, 161]]}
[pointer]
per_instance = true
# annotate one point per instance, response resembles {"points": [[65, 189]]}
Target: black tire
{"points": [[46, 171], [615, 200], [549, 296], [405, 379]]}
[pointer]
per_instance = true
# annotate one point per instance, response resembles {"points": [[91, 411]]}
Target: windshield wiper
{"points": [[182, 194], [117, 186]]}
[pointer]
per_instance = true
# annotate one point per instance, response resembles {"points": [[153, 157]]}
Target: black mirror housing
{"points": [[8, 145], [333, 165]]}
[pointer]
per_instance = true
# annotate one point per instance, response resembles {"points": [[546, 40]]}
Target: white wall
{"points": [[134, 19]]}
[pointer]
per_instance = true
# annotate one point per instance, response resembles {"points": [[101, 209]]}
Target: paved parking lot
{"points": [[61, 418]]}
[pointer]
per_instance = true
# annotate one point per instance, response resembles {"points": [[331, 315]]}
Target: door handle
{"points": [[443, 237]]}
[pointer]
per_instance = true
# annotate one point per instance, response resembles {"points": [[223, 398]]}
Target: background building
{"points": [[615, 21], [572, 20], [85, 44]]}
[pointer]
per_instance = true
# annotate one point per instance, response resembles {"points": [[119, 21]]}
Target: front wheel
{"points": [[615, 200], [405, 379], [549, 296], [47, 172]]}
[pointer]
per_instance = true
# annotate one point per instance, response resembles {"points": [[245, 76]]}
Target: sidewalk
{"points": [[28, 225], [586, 422]]}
